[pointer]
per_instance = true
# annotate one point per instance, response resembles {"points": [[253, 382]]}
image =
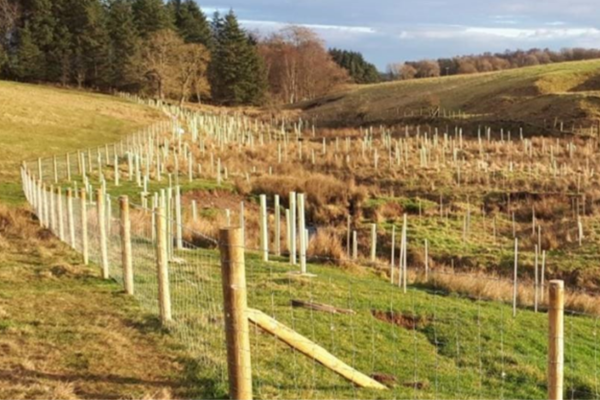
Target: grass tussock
{"points": [[325, 246]]}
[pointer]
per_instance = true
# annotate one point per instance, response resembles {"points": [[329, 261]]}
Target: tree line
{"points": [[168, 50], [487, 62]]}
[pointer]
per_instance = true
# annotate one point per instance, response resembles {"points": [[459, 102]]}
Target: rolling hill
{"points": [[539, 96]]}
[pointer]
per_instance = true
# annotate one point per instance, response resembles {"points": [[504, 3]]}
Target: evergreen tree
{"points": [[86, 21], [39, 18], [151, 16], [190, 21], [237, 73], [28, 60], [59, 56], [124, 46], [358, 68]]}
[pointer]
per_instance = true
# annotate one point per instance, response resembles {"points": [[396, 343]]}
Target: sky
{"points": [[390, 31]]}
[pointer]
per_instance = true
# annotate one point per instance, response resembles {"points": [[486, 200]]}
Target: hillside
{"points": [[38, 121], [65, 332], [568, 92]]}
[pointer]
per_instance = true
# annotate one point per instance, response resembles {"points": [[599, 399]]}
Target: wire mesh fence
{"points": [[425, 343]]}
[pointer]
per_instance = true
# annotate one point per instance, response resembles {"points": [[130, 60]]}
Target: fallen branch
{"points": [[321, 307]]}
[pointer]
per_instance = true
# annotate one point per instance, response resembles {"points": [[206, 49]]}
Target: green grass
{"points": [[567, 91], [462, 348], [38, 121]]}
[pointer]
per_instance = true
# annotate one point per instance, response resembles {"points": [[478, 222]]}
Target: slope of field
{"points": [[65, 333], [37, 121], [569, 92]]}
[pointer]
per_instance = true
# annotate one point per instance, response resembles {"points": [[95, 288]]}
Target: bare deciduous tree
{"points": [[173, 67], [298, 65], [191, 62]]}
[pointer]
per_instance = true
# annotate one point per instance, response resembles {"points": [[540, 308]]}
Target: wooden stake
{"points": [[555, 339], [61, 226], [235, 309], [178, 219], [126, 246], [70, 219]]}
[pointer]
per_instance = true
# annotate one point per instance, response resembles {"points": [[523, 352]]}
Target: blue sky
{"points": [[387, 31]]}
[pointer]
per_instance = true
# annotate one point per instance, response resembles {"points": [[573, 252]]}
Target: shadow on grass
{"points": [[197, 380]]}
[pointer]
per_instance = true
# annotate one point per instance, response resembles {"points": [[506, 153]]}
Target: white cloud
{"points": [[548, 32], [275, 25]]}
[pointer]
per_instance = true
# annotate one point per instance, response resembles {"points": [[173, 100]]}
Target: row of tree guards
{"points": [[149, 151], [149, 155], [168, 201]]}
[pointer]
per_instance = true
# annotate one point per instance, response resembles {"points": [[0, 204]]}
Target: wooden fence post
{"points": [[556, 293], [84, 227], [178, 219], [52, 210], [126, 246], [60, 216], [101, 213], [162, 261], [70, 218], [235, 309], [41, 203]]}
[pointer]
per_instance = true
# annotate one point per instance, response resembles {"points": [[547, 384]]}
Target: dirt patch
{"points": [[417, 385], [403, 320]]}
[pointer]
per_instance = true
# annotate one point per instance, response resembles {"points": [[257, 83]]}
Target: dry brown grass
{"points": [[496, 288], [325, 246]]}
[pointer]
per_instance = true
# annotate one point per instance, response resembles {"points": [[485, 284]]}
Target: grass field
{"points": [[38, 121], [569, 92]]}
